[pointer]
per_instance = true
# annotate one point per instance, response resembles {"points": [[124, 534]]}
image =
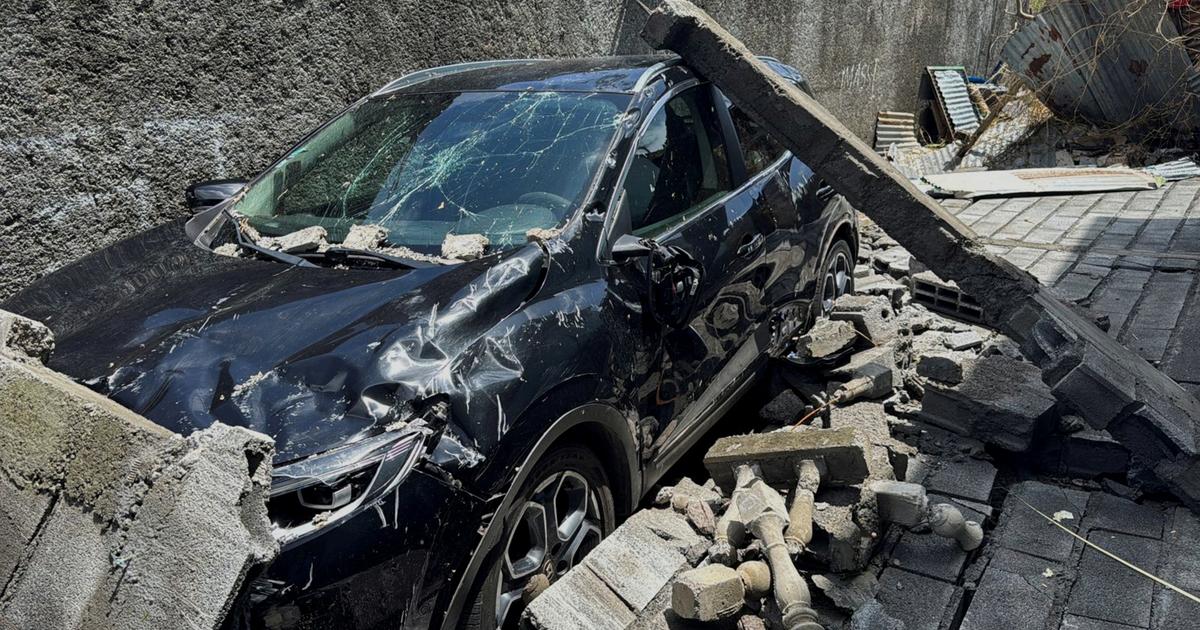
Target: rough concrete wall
{"points": [[108, 109], [110, 521]]}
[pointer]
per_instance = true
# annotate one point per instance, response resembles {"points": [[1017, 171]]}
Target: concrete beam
{"points": [[1152, 415]]}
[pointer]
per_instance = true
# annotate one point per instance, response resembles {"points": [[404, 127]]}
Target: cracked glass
{"points": [[427, 165]]}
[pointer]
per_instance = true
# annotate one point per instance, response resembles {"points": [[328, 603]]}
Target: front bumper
{"points": [[386, 567]]}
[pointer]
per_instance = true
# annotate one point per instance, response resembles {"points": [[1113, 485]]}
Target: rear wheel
{"points": [[562, 512], [837, 277]]}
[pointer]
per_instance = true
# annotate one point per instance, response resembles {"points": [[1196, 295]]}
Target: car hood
{"points": [[313, 357]]}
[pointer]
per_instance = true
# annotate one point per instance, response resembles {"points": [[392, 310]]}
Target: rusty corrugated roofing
{"points": [[895, 128], [1107, 62]]}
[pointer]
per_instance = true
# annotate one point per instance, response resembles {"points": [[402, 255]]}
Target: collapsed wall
{"points": [[110, 521], [1110, 387]]}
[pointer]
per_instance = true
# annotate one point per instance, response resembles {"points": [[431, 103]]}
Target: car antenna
{"points": [[644, 7]]}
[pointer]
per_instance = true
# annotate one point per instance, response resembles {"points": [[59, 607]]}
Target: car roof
{"points": [[619, 75]]}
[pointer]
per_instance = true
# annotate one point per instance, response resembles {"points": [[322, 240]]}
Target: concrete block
{"points": [[581, 599], [687, 489], [970, 479], [946, 367], [871, 315], [1001, 401], [24, 337], [637, 560], [1092, 453], [783, 409], [885, 286], [777, 452], [309, 239], [899, 502], [364, 236], [139, 527], [966, 340], [464, 246], [825, 340], [840, 542], [709, 593]]}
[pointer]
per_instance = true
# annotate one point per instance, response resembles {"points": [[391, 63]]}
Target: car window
{"points": [[759, 149], [680, 164], [423, 166]]}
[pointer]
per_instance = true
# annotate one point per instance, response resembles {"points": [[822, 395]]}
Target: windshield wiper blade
{"points": [[246, 243], [347, 255]]}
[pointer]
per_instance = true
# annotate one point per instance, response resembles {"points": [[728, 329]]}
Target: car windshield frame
{"points": [[518, 114]]}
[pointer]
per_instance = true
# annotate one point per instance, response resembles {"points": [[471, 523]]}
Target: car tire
{"points": [[836, 279], [568, 480]]}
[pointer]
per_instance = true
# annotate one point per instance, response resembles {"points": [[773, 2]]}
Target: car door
{"points": [[678, 195]]}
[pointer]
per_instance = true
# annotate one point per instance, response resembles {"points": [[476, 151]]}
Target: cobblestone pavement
{"points": [[1129, 256]]}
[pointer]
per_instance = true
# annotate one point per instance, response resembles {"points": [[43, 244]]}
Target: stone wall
{"points": [[109, 108]]}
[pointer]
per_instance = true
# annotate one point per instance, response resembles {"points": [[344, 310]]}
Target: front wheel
{"points": [[562, 512]]}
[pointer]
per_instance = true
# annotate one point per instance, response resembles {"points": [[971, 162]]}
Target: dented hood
{"points": [[313, 357]]}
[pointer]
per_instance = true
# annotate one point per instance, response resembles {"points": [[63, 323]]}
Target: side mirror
{"points": [[629, 247], [203, 195]]}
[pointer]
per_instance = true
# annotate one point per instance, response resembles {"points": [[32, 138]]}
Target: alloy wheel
{"points": [[556, 528], [837, 280]]}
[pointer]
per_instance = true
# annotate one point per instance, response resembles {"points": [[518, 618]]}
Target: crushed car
{"points": [[480, 312]]}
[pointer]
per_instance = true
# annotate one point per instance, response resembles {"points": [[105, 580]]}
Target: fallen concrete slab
{"points": [[110, 521], [1145, 410]]}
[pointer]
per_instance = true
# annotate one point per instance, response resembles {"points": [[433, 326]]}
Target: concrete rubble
{"points": [[931, 528], [978, 444], [1107, 384], [111, 521]]}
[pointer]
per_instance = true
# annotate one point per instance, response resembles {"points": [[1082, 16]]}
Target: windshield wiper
{"points": [[348, 256], [247, 243]]}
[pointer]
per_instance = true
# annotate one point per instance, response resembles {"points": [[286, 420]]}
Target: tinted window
{"points": [[423, 166], [680, 164], [759, 149]]}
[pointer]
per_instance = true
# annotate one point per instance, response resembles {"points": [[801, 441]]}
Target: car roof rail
{"points": [[420, 76], [653, 71]]}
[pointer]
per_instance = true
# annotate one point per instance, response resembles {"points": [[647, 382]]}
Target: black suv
{"points": [[456, 425]]}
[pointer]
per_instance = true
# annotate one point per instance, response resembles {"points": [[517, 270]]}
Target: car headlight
{"points": [[312, 494]]}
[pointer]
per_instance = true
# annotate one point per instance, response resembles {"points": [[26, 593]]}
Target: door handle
{"points": [[751, 244]]}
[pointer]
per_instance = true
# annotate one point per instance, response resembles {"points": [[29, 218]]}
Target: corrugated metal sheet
{"points": [[955, 99], [1107, 62], [895, 128], [1175, 171], [1040, 181]]}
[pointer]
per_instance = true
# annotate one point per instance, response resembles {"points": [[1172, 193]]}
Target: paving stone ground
{"points": [[1132, 257], [1033, 574]]}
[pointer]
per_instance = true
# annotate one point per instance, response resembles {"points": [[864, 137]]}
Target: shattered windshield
{"points": [[424, 166]]}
